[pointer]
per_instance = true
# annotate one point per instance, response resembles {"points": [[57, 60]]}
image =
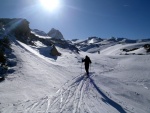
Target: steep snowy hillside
{"points": [[40, 84]]}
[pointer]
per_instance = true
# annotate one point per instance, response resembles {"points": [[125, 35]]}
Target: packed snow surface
{"points": [[43, 84]]}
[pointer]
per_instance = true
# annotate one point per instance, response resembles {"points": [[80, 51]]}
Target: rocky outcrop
{"points": [[22, 30], [18, 26], [54, 51]]}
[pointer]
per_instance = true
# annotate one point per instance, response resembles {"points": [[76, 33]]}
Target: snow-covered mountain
{"points": [[95, 44], [37, 35], [53, 33]]}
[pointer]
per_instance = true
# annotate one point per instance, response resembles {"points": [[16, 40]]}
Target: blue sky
{"points": [[85, 18]]}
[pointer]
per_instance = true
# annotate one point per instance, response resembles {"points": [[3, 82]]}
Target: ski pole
{"points": [[90, 67]]}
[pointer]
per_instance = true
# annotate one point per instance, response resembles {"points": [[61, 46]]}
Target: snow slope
{"points": [[38, 84], [118, 49]]}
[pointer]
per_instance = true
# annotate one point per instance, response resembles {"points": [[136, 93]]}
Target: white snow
{"points": [[44, 84], [77, 41], [93, 40], [117, 49]]}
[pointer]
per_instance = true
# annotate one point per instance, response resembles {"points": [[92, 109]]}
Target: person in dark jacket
{"points": [[87, 61]]}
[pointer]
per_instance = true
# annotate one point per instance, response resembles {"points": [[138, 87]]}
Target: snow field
{"points": [[39, 84]]}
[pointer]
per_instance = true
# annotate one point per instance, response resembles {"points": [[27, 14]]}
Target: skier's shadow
{"points": [[106, 99]]}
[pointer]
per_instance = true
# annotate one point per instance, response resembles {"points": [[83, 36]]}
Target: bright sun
{"points": [[50, 5]]}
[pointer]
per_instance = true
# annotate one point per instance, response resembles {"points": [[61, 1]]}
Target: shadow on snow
{"points": [[106, 99]]}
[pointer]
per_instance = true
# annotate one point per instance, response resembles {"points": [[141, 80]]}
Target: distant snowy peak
{"points": [[55, 34], [94, 40], [74, 41]]}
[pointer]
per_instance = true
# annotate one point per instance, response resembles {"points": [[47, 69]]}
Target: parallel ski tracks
{"points": [[78, 95]]}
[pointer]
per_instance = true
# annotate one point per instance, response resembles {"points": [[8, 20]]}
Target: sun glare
{"points": [[50, 5]]}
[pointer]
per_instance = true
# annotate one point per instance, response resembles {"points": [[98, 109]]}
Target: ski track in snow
{"points": [[78, 95]]}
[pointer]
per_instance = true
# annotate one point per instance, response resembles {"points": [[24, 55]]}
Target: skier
{"points": [[86, 61]]}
